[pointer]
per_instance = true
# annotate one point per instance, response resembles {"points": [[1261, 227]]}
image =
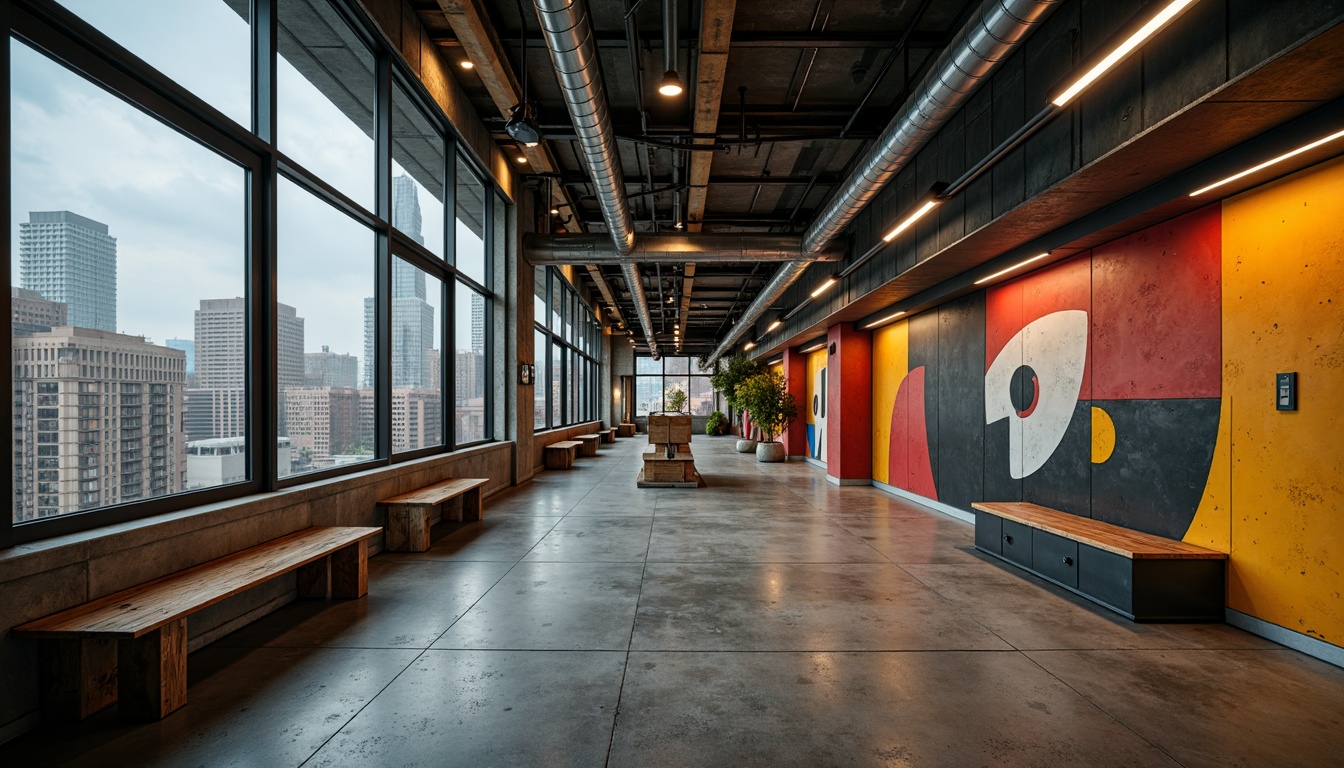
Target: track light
{"points": [[522, 126], [670, 84], [931, 199], [773, 325], [1268, 163], [824, 287], [1003, 272], [750, 345], [1126, 46]]}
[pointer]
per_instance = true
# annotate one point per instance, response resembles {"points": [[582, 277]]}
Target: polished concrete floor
{"points": [[771, 619]]}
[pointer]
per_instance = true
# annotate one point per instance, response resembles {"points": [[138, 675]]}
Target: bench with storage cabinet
{"points": [[130, 648], [1139, 575], [408, 515]]}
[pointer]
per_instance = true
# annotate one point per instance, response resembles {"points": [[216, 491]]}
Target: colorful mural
{"points": [[1134, 384], [814, 411]]}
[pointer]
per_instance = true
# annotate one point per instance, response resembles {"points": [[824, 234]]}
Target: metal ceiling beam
{"points": [[992, 34], [671, 249]]}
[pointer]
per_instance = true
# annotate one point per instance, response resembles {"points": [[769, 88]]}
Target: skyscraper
{"points": [[330, 369], [413, 330], [218, 397], [73, 260]]}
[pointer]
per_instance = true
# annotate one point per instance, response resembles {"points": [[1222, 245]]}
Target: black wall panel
{"points": [[1188, 60], [924, 351], [959, 465], [1065, 481]]}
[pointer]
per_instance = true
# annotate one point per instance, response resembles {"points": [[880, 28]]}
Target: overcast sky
{"points": [[177, 208]]}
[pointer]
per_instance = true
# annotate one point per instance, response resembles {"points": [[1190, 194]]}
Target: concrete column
{"points": [[795, 378], [849, 405]]}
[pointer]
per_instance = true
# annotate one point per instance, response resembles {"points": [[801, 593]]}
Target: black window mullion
{"points": [[382, 393], [7, 377]]}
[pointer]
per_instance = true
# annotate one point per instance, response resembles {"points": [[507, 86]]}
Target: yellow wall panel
{"points": [[1283, 310], [891, 361], [1212, 526], [816, 361]]}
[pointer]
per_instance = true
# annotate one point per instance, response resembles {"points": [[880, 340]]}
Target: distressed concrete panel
{"points": [[979, 140], [1258, 30], [1111, 112], [960, 394], [1186, 61], [1009, 114]]}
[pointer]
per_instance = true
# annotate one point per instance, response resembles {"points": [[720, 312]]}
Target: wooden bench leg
{"points": [[407, 529], [471, 505], [315, 579], [152, 672], [77, 677], [350, 571]]}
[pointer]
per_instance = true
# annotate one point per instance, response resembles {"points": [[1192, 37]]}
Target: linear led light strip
{"points": [[884, 320], [928, 205], [1118, 54], [1270, 162], [813, 348], [1003, 272]]}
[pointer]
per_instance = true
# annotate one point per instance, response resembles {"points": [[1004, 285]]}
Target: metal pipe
{"points": [[568, 30], [992, 34], [590, 248]]}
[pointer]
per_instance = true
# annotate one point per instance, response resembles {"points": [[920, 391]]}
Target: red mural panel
{"points": [[1156, 319], [909, 465]]}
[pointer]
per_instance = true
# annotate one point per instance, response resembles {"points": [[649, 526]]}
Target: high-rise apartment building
{"points": [[322, 421], [96, 419], [73, 260], [330, 369], [33, 314], [413, 325], [417, 419], [216, 405]]}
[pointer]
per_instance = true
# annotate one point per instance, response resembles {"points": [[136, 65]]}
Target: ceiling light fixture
{"points": [[1268, 163], [522, 125], [521, 159], [824, 287], [773, 325], [555, 211], [921, 210], [671, 82], [814, 347], [1146, 29], [467, 64], [1003, 272], [750, 345], [884, 320]]}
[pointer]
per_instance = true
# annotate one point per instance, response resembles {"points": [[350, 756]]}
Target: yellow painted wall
{"points": [[891, 361], [815, 362], [1283, 310]]}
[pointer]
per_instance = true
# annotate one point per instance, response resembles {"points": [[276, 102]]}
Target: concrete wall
{"points": [[54, 574]]}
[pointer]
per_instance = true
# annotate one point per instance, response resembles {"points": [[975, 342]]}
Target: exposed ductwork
{"points": [[993, 33], [671, 249], [569, 36]]}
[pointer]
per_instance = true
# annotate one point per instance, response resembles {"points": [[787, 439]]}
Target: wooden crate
{"points": [[669, 428], [665, 471]]}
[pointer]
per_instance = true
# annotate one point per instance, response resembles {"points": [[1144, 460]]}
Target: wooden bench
{"points": [[589, 444], [625, 429], [131, 647], [1136, 574], [561, 455], [608, 434], [408, 515]]}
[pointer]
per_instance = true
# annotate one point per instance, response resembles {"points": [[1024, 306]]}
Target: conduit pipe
{"points": [[993, 33]]}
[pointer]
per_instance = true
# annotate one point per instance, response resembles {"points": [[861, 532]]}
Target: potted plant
{"points": [[717, 424], [772, 408], [674, 398], [727, 378]]}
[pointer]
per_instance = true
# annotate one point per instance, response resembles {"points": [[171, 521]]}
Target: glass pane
{"points": [[558, 415], [676, 365], [471, 365], [167, 34], [557, 301], [675, 382], [581, 391], [645, 365], [418, 166], [325, 113], [107, 298], [539, 297], [471, 199], [539, 386], [648, 394], [701, 401], [695, 367], [574, 385], [417, 357], [325, 276]]}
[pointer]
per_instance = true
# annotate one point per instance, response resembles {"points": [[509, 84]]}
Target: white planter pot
{"points": [[770, 452], [746, 446]]}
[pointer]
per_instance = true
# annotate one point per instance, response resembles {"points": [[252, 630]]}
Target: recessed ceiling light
{"points": [[522, 159], [466, 64]]}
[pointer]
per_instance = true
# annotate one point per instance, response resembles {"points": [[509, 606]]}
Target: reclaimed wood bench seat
{"points": [[608, 434], [625, 429], [588, 444], [408, 515], [1136, 574], [131, 647], [561, 455]]}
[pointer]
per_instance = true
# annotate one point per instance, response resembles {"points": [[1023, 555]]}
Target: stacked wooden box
{"points": [[668, 457]]}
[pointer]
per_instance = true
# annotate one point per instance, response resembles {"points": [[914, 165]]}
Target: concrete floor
{"points": [[771, 619]]}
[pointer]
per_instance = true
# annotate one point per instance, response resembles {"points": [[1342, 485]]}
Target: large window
{"points": [[567, 364], [155, 363], [654, 378]]}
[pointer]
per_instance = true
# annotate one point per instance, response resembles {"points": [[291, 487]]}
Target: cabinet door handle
{"points": [[1068, 560], [1008, 538]]}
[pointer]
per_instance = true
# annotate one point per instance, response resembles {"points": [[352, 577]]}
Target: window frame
{"points": [[577, 402]]}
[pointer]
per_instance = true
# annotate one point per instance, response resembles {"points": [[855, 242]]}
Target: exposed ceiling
{"points": [[781, 97]]}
